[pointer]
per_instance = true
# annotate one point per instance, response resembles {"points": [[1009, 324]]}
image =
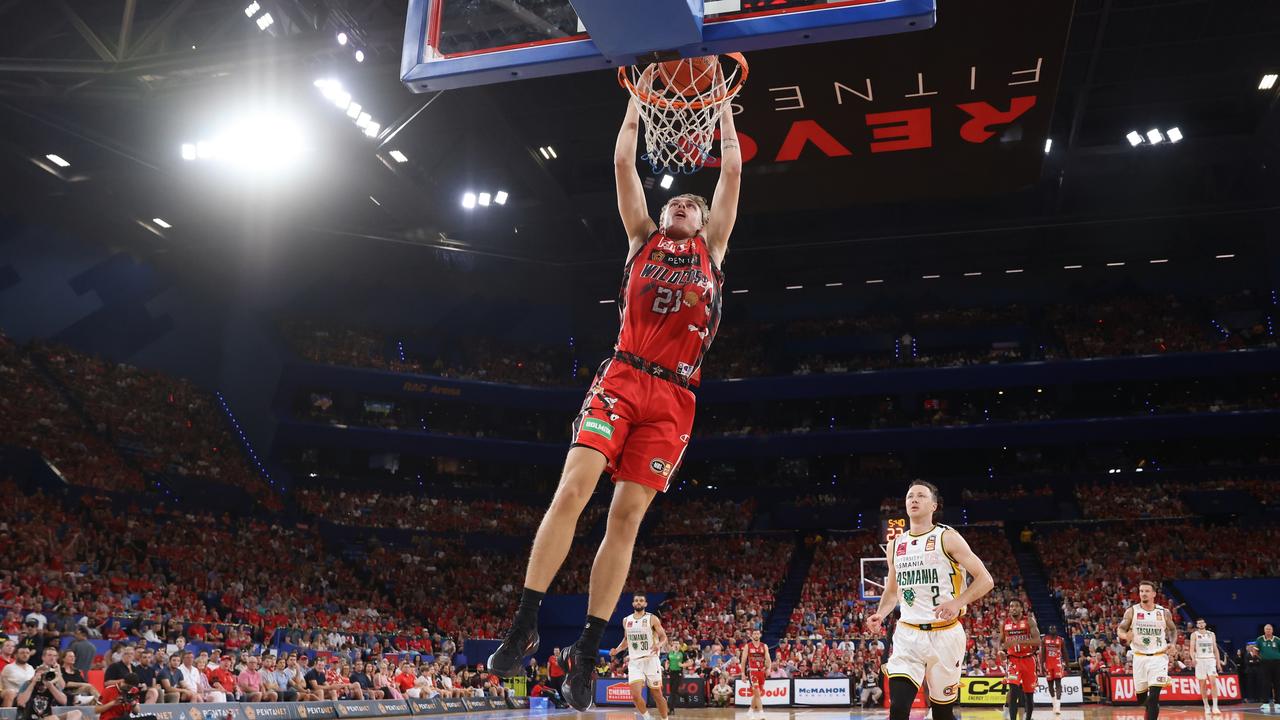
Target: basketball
{"points": [[689, 77]]}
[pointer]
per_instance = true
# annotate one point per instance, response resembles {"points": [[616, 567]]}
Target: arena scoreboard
{"points": [[892, 527]]}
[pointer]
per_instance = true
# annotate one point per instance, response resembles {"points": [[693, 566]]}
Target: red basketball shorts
{"points": [[1022, 671], [640, 424], [1054, 670], [756, 679]]}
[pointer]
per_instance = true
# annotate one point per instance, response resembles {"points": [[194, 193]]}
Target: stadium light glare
{"points": [[353, 110], [1268, 81], [1155, 136], [875, 282], [398, 156], [1072, 267], [834, 284], [743, 291], [1013, 271], [1159, 261], [57, 160], [363, 120], [342, 100], [360, 56], [1174, 134], [372, 129], [666, 182], [795, 287], [930, 277], [469, 200], [342, 38], [553, 152], [1115, 264], [252, 9], [484, 198], [265, 21], [1225, 256], [1134, 137], [1048, 145], [973, 274], [161, 222], [188, 151], [500, 197]]}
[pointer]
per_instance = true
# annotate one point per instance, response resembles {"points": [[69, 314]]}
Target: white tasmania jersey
{"points": [[1150, 634], [927, 576], [1202, 644], [640, 640]]}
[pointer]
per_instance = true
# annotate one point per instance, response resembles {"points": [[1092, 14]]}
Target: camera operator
{"points": [[120, 700], [77, 685], [45, 691]]}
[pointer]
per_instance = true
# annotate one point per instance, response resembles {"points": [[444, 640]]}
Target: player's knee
{"points": [[902, 693]]}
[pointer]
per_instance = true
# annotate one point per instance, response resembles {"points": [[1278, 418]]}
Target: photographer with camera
{"points": [[121, 700], [45, 691]]}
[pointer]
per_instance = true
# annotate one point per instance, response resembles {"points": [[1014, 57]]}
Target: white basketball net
{"points": [[679, 119]]}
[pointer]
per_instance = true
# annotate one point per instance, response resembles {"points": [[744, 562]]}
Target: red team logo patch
{"points": [[902, 549]]}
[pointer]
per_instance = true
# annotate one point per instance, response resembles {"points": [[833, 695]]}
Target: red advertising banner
{"points": [[1181, 688]]}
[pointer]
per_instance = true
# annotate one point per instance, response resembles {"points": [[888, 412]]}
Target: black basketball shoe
{"points": [[579, 677], [508, 660]]}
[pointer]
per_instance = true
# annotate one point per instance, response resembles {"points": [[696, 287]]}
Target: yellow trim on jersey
{"points": [[952, 701], [929, 627], [1135, 652], [926, 532], [903, 675], [943, 546]]}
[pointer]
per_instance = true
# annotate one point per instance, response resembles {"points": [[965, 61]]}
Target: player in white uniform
{"points": [[642, 638], [926, 581], [1149, 629], [1204, 651]]}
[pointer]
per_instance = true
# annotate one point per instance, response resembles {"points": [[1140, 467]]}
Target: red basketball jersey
{"points": [[1020, 632], [669, 304], [755, 656], [1053, 649]]}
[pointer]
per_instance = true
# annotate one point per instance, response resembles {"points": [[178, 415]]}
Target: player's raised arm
{"points": [[631, 203], [958, 549], [724, 204]]}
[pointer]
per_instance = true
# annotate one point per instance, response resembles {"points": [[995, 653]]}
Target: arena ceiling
{"points": [[117, 87]]}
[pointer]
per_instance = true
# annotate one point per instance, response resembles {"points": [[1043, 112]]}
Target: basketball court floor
{"points": [[1086, 712]]}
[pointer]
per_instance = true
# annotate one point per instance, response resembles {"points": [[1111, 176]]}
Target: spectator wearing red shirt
{"points": [[555, 673], [117, 701], [221, 678], [197, 632]]}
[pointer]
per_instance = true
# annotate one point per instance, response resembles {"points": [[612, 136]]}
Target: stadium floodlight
{"points": [[1159, 261], [484, 198], [1072, 267], [1225, 256], [973, 274], [252, 9], [545, 155], [1013, 271], [363, 120], [875, 282], [666, 182], [323, 83], [161, 222], [930, 277], [834, 284], [469, 200], [265, 21], [398, 156], [500, 197], [204, 150], [342, 38], [342, 100], [1154, 136], [57, 160], [1174, 134], [1115, 264], [742, 291], [1134, 137], [795, 287], [372, 129], [353, 110], [1048, 145], [359, 56], [188, 151], [1268, 81]]}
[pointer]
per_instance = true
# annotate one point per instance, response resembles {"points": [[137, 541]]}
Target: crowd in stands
{"points": [[1117, 326], [35, 414], [702, 516], [168, 424]]}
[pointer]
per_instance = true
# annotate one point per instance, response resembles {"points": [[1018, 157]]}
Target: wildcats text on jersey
{"points": [[673, 276]]}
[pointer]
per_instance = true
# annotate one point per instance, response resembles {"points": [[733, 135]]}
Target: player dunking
{"points": [[926, 579], [755, 663], [1053, 658], [1020, 637], [636, 419], [643, 637], [1149, 629], [1204, 651]]}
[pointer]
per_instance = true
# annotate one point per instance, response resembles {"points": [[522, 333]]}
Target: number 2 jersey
{"points": [[926, 575], [669, 304]]}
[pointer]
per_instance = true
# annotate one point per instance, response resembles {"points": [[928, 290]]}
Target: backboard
{"points": [[460, 43]]}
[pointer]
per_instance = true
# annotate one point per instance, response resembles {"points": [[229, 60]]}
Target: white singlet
{"points": [[640, 640], [1150, 630], [927, 576], [1202, 644]]}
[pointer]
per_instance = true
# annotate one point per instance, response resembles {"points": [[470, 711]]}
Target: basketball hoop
{"points": [[681, 102]]}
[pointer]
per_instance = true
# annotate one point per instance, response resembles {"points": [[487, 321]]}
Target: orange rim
{"points": [[658, 101]]}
